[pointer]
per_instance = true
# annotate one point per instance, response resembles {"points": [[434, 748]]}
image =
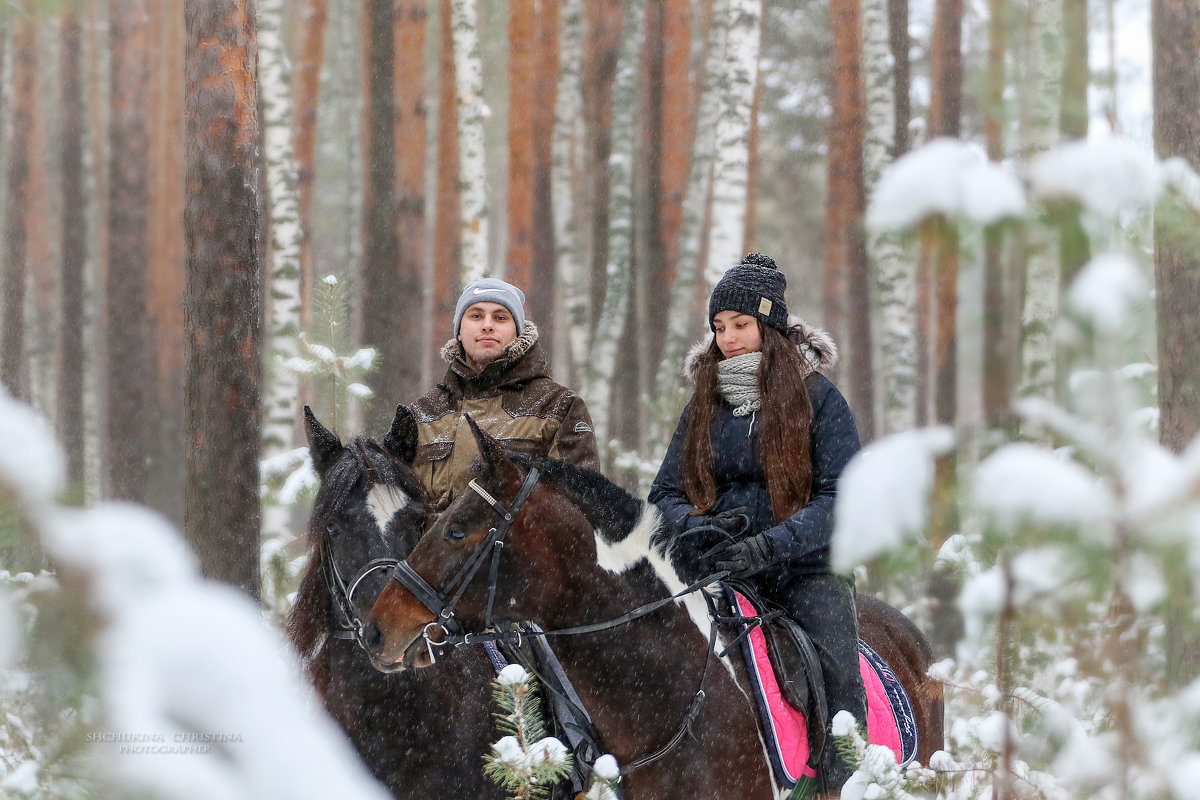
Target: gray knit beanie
{"points": [[753, 286], [491, 290]]}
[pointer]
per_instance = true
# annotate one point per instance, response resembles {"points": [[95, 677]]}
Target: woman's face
{"points": [[737, 334]]}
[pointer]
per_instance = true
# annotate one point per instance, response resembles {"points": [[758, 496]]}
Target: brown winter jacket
{"points": [[514, 400]]}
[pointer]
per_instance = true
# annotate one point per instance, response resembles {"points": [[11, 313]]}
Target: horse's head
{"points": [[452, 563], [369, 511]]}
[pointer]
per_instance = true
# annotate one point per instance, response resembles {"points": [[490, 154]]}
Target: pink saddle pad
{"points": [[890, 719]]}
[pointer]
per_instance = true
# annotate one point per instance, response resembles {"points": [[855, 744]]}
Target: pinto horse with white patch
{"points": [[422, 733], [541, 541]]}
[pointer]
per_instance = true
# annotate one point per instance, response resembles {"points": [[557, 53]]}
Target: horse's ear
{"points": [[401, 440], [323, 447], [499, 465]]}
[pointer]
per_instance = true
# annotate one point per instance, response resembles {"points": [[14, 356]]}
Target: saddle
{"points": [[784, 672]]}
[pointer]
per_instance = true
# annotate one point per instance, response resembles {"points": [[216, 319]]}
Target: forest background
{"points": [[215, 213]]}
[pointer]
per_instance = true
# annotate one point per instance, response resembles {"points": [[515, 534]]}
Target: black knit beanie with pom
{"points": [[753, 286]]}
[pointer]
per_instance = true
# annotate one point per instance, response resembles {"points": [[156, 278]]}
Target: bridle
{"points": [[442, 602], [347, 623]]}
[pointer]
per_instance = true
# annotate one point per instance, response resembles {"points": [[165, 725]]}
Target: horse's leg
{"points": [[906, 650]]}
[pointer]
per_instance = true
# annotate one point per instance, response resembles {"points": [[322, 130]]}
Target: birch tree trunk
{"points": [[739, 70], [565, 176], [1037, 286], [224, 292], [894, 275], [282, 390], [468, 72]]}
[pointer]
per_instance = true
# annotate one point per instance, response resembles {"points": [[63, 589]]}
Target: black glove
{"points": [[741, 559], [733, 521]]}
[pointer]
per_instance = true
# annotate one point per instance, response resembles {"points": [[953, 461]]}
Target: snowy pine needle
{"points": [[525, 762]]}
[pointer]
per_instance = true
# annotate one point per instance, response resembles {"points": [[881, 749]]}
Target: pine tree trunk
{"points": [[224, 292], [411, 102], [72, 126], [468, 73], [616, 415], [41, 326], [447, 238], [522, 100], [541, 291], [603, 21], [314, 18], [1176, 30], [281, 407], [14, 371], [131, 369], [166, 276], [383, 300], [899, 41], [997, 382]]}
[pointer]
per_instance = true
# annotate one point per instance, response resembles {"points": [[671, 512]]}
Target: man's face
{"points": [[485, 330]]}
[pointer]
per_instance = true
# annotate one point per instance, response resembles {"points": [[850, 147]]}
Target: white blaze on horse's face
{"points": [[384, 501]]}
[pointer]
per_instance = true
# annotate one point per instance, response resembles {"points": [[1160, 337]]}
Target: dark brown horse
{"points": [[578, 553], [422, 733]]}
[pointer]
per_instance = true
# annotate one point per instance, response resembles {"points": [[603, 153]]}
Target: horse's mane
{"points": [[610, 509], [362, 459]]}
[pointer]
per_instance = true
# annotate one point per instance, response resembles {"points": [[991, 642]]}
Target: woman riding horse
{"points": [[750, 477]]}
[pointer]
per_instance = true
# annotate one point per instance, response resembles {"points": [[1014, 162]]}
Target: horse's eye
{"points": [[332, 529], [457, 536]]}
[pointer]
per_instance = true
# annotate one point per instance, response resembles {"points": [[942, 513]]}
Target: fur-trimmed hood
{"points": [[815, 343], [505, 368]]}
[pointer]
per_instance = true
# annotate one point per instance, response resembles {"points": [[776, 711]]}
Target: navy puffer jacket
{"points": [[800, 543]]}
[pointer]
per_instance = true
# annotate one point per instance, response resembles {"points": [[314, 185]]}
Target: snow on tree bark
{"points": [[468, 71], [224, 293]]}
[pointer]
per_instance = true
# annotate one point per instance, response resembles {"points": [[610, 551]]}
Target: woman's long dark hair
{"points": [[784, 420]]}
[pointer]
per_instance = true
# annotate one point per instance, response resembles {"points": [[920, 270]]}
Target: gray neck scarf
{"points": [[737, 379]]}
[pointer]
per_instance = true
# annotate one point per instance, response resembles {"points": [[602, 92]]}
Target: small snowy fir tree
{"points": [[526, 762], [289, 477]]}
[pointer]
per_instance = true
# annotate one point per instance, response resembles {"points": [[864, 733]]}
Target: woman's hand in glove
{"points": [[741, 559]]}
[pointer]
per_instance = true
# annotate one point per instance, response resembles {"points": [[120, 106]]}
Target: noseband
{"points": [[442, 602], [348, 623]]}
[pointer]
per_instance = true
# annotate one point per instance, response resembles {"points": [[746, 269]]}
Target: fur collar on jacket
{"points": [[816, 344], [453, 354]]}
